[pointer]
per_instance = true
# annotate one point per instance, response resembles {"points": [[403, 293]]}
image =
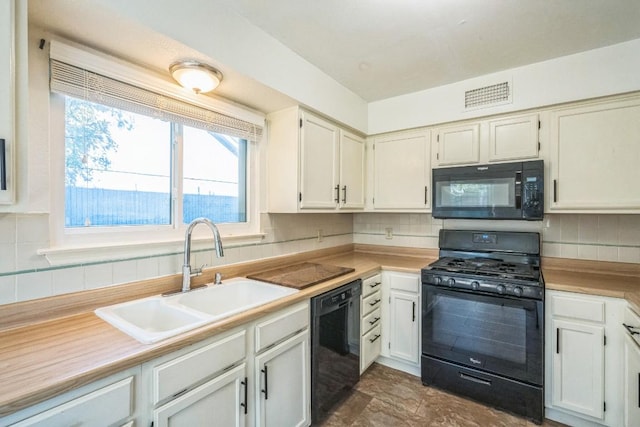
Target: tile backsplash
{"points": [[25, 275]]}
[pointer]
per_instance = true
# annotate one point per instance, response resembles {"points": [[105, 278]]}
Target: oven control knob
{"points": [[501, 289], [437, 280], [475, 285], [517, 291], [451, 282]]}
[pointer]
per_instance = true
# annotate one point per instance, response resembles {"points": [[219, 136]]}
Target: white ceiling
{"points": [[376, 48], [384, 48]]}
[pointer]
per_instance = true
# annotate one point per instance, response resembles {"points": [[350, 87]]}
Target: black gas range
{"points": [[483, 319]]}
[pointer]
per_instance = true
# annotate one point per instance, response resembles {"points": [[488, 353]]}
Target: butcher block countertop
{"points": [[57, 344]]}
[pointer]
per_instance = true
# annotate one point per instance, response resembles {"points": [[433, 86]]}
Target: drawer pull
{"points": [[474, 379], [375, 285], [374, 302], [374, 321], [631, 329], [374, 338]]}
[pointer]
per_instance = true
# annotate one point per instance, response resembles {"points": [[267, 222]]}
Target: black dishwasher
{"points": [[335, 353]]}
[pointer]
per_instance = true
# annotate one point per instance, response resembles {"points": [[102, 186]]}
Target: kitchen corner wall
{"points": [[580, 236], [25, 275]]}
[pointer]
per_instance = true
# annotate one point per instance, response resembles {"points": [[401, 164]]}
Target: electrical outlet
{"points": [[320, 236], [388, 233]]}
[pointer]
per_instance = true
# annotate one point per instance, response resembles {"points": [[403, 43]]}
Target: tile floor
{"points": [[386, 397]]}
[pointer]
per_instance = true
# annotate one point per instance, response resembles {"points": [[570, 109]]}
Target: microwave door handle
{"points": [[518, 190]]}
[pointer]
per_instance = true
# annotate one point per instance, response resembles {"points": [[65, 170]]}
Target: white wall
{"points": [[599, 72]]}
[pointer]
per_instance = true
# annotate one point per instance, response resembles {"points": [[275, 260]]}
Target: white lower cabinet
{"points": [[107, 402], [631, 376], [282, 392], [583, 375], [221, 401], [370, 321], [401, 321]]}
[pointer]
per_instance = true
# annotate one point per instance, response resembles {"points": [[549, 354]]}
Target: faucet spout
{"points": [[186, 266]]}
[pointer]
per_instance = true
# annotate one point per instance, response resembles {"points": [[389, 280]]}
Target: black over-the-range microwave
{"points": [[494, 191]]}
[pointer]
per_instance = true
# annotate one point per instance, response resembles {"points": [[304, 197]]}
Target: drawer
{"points": [[180, 374], [371, 347], [578, 308], [371, 320], [370, 303], [105, 406], [282, 325], [404, 282], [371, 285]]}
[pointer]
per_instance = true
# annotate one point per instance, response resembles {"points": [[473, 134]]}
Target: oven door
{"points": [[496, 334]]}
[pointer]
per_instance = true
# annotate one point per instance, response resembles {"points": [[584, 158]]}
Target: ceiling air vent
{"points": [[487, 96]]}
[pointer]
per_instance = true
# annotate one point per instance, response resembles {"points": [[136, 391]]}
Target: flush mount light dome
{"points": [[198, 77]]}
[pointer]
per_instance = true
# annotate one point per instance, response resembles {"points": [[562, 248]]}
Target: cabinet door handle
{"points": [[555, 191], [3, 165], [426, 192], [374, 321], [638, 389], [413, 313], [337, 189], [557, 340], [265, 390], [374, 338], [244, 404], [344, 194]]}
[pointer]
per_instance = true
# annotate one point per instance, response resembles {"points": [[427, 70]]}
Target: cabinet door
{"points": [[7, 99], [458, 145], [219, 402], [402, 172], [283, 389], [513, 138], [595, 152], [631, 383], [404, 332], [578, 367], [318, 163], [352, 151]]}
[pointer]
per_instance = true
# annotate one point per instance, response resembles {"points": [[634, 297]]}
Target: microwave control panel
{"points": [[532, 194]]}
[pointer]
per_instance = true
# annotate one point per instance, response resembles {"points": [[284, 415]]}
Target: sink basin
{"points": [[151, 319], [232, 297], [156, 318]]}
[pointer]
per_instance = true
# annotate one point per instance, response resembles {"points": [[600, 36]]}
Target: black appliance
{"points": [[483, 319], [496, 191], [335, 340]]}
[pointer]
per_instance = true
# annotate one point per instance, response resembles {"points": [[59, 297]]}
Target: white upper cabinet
{"points": [[313, 164], [458, 145], [7, 100], [402, 172], [595, 153], [513, 138], [352, 170], [318, 163]]}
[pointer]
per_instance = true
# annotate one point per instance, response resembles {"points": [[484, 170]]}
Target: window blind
{"points": [[90, 86]]}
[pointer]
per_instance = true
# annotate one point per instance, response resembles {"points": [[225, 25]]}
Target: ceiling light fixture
{"points": [[198, 77]]}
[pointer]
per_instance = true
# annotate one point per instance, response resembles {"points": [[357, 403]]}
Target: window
{"points": [[140, 163], [118, 170]]}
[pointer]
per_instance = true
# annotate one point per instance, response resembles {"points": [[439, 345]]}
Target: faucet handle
{"points": [[198, 271], [218, 279]]}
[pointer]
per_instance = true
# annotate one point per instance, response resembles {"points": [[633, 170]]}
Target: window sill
{"points": [[89, 254]]}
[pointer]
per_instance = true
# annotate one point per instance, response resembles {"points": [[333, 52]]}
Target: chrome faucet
{"points": [[186, 266]]}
